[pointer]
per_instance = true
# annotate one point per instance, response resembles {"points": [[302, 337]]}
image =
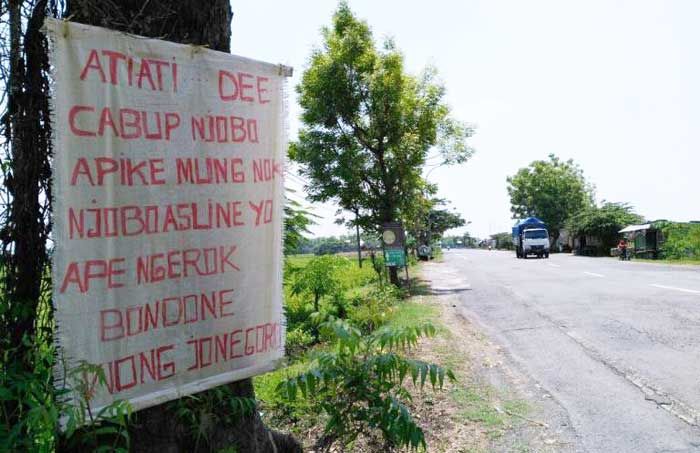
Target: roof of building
{"points": [[632, 228]]}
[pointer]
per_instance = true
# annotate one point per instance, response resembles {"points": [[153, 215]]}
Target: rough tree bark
{"points": [[207, 23], [27, 228]]}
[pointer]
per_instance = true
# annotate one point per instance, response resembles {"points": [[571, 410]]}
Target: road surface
{"points": [[617, 344]]}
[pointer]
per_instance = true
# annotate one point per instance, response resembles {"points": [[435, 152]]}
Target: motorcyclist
{"points": [[622, 247]]}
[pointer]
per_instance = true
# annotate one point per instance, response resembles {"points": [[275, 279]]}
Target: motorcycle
{"points": [[624, 254]]}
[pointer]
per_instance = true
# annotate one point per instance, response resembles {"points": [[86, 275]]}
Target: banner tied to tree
{"points": [[168, 208]]}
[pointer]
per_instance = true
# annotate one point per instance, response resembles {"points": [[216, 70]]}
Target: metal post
{"points": [[408, 279]]}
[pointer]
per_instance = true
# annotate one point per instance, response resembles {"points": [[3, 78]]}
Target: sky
{"points": [[612, 85]]}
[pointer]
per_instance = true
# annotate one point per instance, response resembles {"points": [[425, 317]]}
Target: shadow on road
{"points": [[436, 291], [421, 287]]}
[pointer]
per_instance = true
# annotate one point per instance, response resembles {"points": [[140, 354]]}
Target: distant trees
{"points": [[553, 190], [466, 240], [368, 126], [503, 240]]}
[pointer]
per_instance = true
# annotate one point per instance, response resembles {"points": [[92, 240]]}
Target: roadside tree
{"points": [[553, 190], [430, 227], [603, 222], [368, 126]]}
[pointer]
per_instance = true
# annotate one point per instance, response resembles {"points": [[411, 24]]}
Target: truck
{"points": [[530, 237]]}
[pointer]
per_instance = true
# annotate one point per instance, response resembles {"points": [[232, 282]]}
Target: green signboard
{"points": [[394, 257]]}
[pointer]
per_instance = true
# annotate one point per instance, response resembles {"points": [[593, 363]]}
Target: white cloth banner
{"points": [[168, 214]]}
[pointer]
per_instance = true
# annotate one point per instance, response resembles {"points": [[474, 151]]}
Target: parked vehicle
{"points": [[530, 237], [425, 252]]}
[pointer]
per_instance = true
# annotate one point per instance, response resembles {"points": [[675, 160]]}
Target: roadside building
{"points": [[587, 245], [644, 241]]}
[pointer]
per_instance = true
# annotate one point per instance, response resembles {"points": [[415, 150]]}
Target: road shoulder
{"points": [[492, 407]]}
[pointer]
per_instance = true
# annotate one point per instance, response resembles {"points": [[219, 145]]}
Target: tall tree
{"points": [[427, 221], [368, 126], [552, 190], [439, 221], [25, 152]]}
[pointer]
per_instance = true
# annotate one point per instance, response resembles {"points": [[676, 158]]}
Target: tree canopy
{"points": [[552, 190], [368, 126], [297, 221], [603, 222], [431, 226]]}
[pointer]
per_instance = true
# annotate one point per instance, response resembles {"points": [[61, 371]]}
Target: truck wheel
{"points": [[546, 255], [524, 256]]}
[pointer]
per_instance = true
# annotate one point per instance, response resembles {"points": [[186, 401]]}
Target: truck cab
{"points": [[535, 241], [530, 237]]}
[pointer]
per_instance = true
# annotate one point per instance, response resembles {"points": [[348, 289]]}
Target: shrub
{"points": [[298, 311], [372, 310], [320, 277], [40, 409], [204, 410], [682, 241], [361, 384], [298, 340]]}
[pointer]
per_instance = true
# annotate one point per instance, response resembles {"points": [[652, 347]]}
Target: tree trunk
{"points": [[199, 22], [26, 231], [394, 275], [554, 238], [359, 247]]}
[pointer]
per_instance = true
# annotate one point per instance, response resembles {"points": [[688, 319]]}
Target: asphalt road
{"points": [[616, 344]]}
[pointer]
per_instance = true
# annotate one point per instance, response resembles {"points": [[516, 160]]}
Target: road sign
{"points": [[393, 241], [394, 257], [393, 235]]}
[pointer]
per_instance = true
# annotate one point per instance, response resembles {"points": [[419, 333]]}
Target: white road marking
{"points": [[553, 265], [691, 291], [594, 274]]}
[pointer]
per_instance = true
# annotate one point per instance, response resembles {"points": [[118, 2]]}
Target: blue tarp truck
{"points": [[530, 237]]}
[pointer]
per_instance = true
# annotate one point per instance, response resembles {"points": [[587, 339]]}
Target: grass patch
{"points": [[479, 405], [516, 407], [690, 261], [299, 260], [414, 314], [476, 407], [447, 355]]}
